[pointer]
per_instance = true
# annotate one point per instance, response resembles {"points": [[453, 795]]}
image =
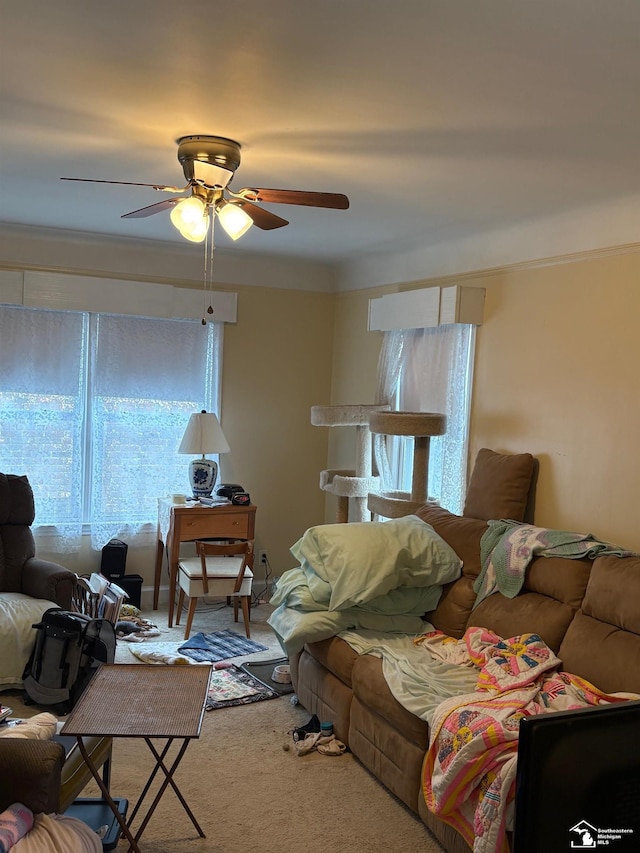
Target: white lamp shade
{"points": [[203, 435]]}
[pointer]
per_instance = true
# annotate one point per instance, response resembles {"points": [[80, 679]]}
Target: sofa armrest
{"points": [[30, 773], [47, 580]]}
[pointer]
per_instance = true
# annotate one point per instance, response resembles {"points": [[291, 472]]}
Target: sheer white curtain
{"points": [[92, 410], [431, 370]]}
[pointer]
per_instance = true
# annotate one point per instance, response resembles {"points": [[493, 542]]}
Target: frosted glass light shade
{"points": [[189, 218], [233, 219], [203, 435]]}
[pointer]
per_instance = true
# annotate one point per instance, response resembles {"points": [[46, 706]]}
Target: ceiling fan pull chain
{"points": [[211, 259], [204, 277], [209, 253]]}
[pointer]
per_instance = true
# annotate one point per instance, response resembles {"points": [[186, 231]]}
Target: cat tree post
{"points": [[350, 484], [421, 426]]}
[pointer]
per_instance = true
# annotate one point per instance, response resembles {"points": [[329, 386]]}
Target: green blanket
{"points": [[507, 548]]}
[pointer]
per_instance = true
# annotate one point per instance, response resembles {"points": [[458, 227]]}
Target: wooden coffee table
{"points": [[143, 701]]}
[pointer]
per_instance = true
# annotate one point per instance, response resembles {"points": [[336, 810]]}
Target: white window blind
{"points": [[92, 410]]}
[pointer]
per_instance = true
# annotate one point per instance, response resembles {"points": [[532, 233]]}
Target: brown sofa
{"points": [[587, 611]]}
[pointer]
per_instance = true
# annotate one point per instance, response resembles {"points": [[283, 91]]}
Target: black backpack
{"points": [[68, 649]]}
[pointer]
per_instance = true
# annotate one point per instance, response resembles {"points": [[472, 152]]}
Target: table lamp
{"points": [[203, 435]]}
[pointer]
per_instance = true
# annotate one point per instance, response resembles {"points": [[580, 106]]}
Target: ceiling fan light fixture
{"points": [[212, 176], [233, 219], [190, 218]]}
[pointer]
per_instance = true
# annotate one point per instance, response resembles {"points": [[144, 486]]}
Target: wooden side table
{"points": [[187, 522]]}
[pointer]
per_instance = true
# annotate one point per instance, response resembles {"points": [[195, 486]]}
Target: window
{"points": [[430, 370], [92, 410]]}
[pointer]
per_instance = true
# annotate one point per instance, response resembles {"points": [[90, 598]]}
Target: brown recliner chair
{"points": [[38, 773], [41, 775], [20, 570]]}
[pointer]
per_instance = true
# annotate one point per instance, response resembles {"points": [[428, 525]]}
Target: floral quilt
{"points": [[469, 770]]}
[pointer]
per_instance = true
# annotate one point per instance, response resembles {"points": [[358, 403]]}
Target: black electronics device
{"points": [[132, 585], [228, 490], [578, 780], [114, 558], [241, 498]]}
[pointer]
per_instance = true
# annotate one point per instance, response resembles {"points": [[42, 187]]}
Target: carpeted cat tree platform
{"points": [[353, 484], [420, 425]]}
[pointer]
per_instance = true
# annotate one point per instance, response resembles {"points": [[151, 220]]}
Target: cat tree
{"points": [[421, 426], [356, 484]]}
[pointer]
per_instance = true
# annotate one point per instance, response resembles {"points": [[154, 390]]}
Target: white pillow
{"points": [[364, 560], [18, 614]]}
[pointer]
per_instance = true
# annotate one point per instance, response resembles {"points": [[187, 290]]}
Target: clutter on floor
{"points": [[218, 646], [318, 736], [135, 629], [231, 685], [266, 671]]}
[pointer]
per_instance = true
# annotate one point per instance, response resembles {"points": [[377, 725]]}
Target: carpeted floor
{"points": [[209, 618], [247, 786]]}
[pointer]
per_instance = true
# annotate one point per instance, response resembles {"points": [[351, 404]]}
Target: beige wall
{"points": [[277, 364], [556, 375]]}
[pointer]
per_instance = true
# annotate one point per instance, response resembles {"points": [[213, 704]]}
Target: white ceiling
{"points": [[440, 119]]}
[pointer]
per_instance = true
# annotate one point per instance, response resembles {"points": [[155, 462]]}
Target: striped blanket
{"points": [[469, 770]]}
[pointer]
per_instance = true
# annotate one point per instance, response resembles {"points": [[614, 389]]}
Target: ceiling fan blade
{"points": [[160, 187], [151, 209], [262, 218], [337, 201]]}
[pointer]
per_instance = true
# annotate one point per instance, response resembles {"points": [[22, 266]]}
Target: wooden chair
{"points": [[221, 571], [84, 599]]}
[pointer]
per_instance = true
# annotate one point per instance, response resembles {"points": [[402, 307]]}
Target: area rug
{"points": [[234, 686], [218, 646], [263, 669]]}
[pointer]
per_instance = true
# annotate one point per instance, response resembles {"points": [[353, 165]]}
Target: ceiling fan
{"points": [[209, 163]]}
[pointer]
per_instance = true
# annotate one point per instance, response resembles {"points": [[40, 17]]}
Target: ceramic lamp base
{"points": [[203, 474]]}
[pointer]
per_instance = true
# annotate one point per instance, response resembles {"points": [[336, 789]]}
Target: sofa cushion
{"points": [[464, 535], [372, 691], [17, 546], [335, 655], [16, 500], [454, 608], [602, 643], [499, 485], [552, 592]]}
